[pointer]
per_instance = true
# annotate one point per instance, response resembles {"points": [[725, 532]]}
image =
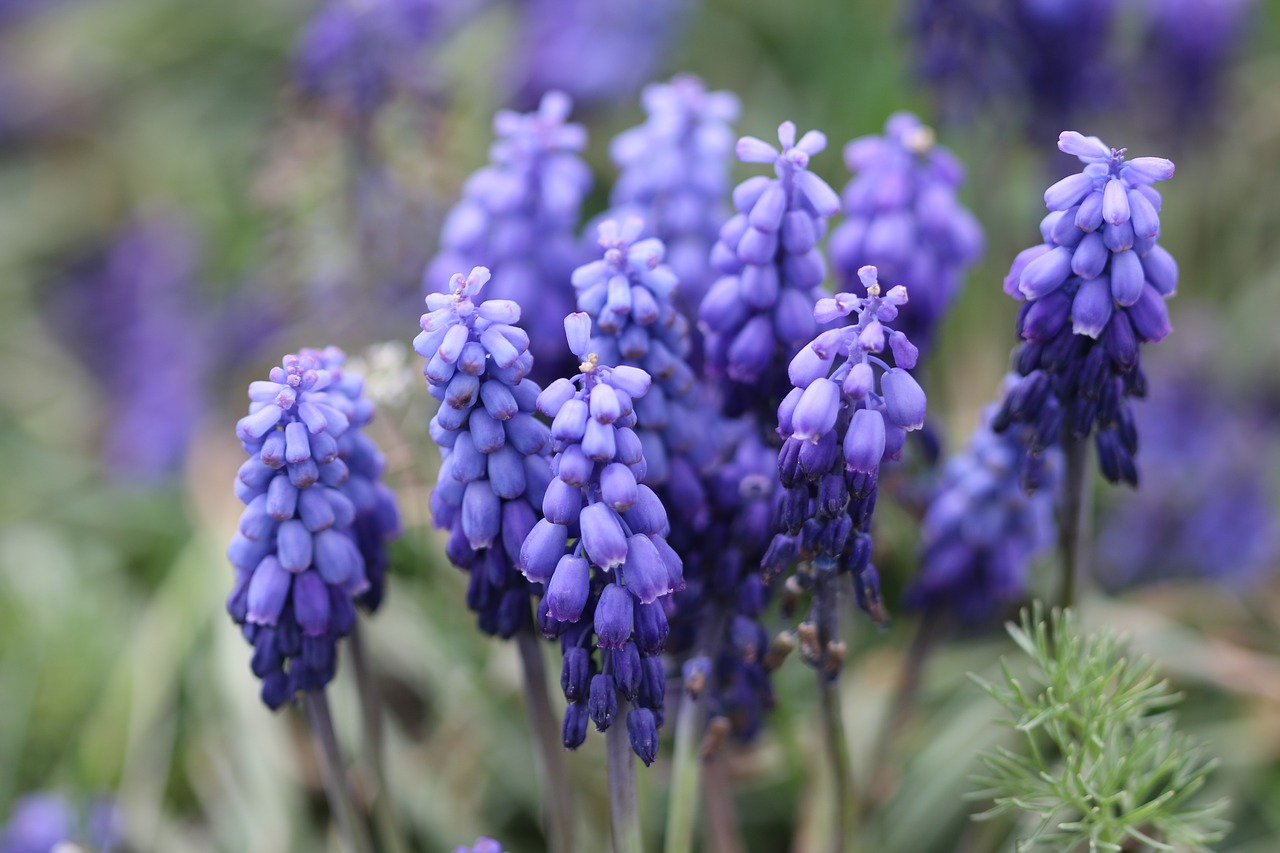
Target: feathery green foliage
{"points": [[1104, 767]]}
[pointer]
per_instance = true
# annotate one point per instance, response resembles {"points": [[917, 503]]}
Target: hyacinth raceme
{"points": [[601, 550], [377, 517], [716, 630], [674, 174], [599, 53], [628, 295], [490, 488], [902, 217], [297, 561], [760, 311], [983, 528], [839, 422], [518, 217], [1093, 292], [958, 52]]}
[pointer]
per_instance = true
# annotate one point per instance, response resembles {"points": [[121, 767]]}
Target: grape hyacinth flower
{"points": [[902, 217], [983, 528], [296, 558], [601, 550], [354, 54], [518, 217], [490, 488], [483, 845], [716, 620], [839, 423], [674, 174], [958, 50], [598, 53], [377, 518], [628, 295], [1093, 292], [761, 309]]}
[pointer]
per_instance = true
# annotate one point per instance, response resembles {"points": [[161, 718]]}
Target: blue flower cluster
{"points": [[839, 422], [518, 217], [495, 469], [761, 309], [297, 557], [674, 174], [482, 845], [983, 528], [1094, 291], [628, 294], [902, 217], [44, 822], [601, 550]]}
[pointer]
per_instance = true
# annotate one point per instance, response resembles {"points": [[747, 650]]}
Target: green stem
{"points": [[556, 786], [624, 804], [350, 822], [1075, 517], [836, 742], [686, 767], [387, 826], [722, 823]]}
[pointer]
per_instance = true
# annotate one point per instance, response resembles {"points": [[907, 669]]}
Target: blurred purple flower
{"points": [[134, 315], [1208, 509], [494, 473], [518, 216], [674, 175], [982, 528], [482, 845], [598, 51], [902, 217], [39, 822]]}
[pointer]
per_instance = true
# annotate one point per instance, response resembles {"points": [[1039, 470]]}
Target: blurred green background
{"points": [[119, 670]]}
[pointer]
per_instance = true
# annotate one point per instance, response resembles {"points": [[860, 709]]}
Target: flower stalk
{"points": [[559, 805], [341, 802], [624, 807]]}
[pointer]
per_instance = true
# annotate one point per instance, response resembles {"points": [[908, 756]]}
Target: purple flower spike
{"points": [[836, 436], [674, 175], [518, 217], [984, 527], [600, 548], [902, 217], [759, 313], [495, 472], [316, 522], [1094, 291]]}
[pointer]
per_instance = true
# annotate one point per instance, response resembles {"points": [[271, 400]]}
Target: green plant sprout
{"points": [[1104, 767]]}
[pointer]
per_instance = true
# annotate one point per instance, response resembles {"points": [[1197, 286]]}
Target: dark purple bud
{"points": [[1161, 270], [481, 514], [613, 618], [311, 603], [602, 701], [294, 546], [1120, 342], [651, 628], [642, 727], [1091, 309], [817, 458], [1046, 316], [626, 670], [574, 731], [671, 562], [1150, 316], [506, 473], [575, 671], [751, 350], [336, 556], [268, 589]]}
